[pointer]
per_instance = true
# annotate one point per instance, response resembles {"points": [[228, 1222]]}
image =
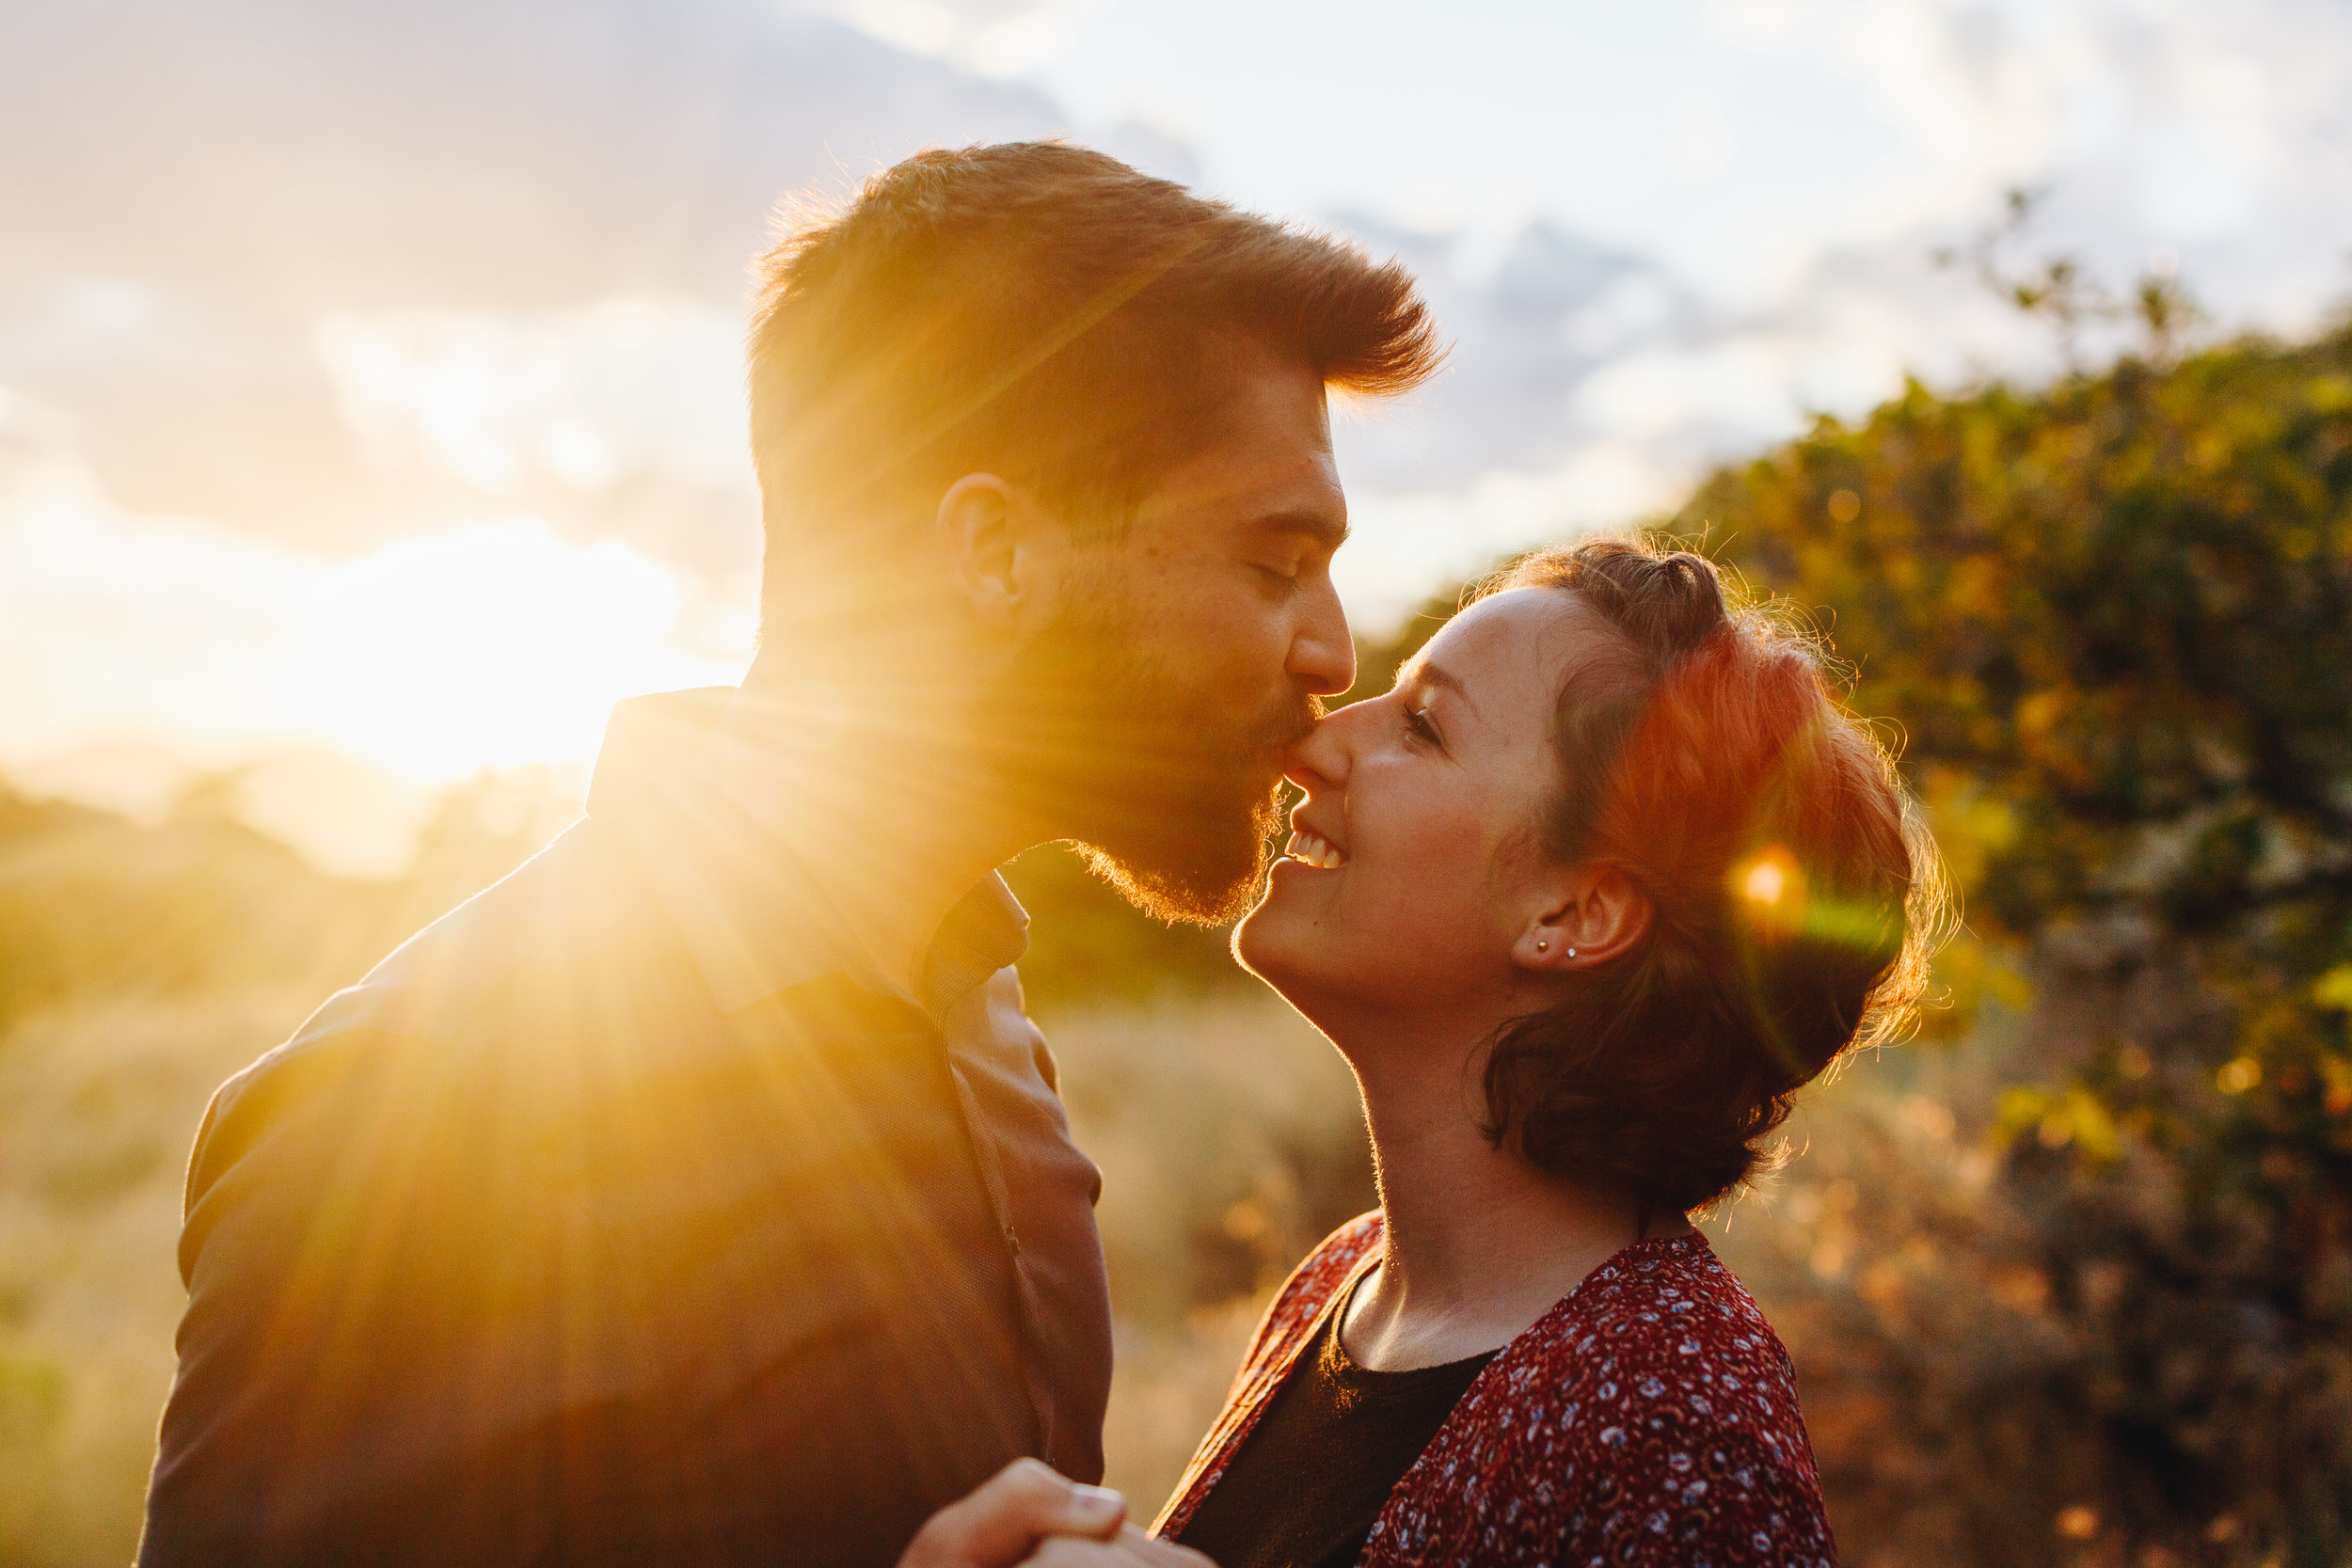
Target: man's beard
{"points": [[1172, 795]]}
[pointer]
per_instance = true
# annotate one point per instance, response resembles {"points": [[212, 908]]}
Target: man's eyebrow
{"points": [[1321, 527], [1426, 674]]}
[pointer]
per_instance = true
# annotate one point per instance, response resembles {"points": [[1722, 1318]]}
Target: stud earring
{"points": [[1571, 952], [1541, 944]]}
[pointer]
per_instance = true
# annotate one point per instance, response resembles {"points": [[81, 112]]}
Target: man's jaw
{"points": [[1189, 839], [1207, 874]]}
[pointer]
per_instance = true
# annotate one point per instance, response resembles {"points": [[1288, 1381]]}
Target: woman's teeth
{"points": [[1314, 849]]}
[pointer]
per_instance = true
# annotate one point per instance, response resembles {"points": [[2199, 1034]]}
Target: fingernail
{"points": [[1096, 1502]]}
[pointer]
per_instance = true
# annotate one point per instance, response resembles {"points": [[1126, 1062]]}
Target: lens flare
{"points": [[1771, 889]]}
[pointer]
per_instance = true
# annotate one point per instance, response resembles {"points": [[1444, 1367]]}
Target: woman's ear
{"points": [[1591, 914], [1004, 552]]}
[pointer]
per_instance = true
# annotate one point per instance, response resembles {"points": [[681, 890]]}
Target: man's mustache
{"points": [[1293, 723]]}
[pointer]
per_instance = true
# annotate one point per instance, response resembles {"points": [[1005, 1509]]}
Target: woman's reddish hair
{"points": [[1795, 896]]}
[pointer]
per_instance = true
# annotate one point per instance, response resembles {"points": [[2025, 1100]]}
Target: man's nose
{"points": [[1318, 761], [1323, 655]]}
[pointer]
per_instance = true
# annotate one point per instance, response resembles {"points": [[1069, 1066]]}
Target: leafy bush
{"points": [[2113, 625]]}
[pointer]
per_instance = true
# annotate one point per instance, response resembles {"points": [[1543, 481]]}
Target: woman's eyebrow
{"points": [[1438, 674]]}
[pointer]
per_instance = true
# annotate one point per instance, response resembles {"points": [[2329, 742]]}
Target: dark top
{"points": [[1306, 1485], [624, 1215], [1648, 1420]]}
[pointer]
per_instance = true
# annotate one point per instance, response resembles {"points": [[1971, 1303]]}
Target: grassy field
{"points": [[97, 1106]]}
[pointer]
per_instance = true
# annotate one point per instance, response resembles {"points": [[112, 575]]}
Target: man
{"points": [[699, 1194]]}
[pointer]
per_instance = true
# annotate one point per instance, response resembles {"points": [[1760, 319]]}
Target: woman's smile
{"points": [[1311, 848]]}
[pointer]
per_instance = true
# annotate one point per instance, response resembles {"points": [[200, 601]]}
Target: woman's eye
{"points": [[1417, 721]]}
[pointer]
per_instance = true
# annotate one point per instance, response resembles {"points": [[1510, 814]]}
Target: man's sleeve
{"points": [[365, 1367]]}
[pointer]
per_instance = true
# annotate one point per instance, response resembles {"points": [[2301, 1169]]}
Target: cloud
{"points": [[196, 189], [994, 38], [522, 154], [2223, 132]]}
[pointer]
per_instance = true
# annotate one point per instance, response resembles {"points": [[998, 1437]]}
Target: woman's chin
{"points": [[1274, 941], [1256, 939]]}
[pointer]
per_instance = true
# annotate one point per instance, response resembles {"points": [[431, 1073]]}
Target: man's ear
{"points": [[1586, 915], [1002, 551]]}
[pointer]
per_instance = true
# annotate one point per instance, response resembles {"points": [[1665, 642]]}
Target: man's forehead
{"points": [[1297, 497], [1272, 473]]}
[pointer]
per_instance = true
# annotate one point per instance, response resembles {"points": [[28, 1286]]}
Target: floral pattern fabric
{"points": [[1649, 1418]]}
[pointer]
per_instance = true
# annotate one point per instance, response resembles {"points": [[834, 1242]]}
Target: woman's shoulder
{"points": [[1325, 1270], [1660, 1337], [1668, 1299], [1649, 1415], [1320, 1276]]}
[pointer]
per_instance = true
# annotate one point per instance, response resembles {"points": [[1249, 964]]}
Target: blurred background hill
{"points": [[2068, 1279]]}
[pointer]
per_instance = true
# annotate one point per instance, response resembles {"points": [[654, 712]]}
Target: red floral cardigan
{"points": [[1650, 1417]]}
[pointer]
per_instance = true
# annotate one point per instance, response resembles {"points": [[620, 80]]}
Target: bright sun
{"points": [[490, 646]]}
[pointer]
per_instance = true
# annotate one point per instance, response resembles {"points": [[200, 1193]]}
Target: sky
{"points": [[370, 390]]}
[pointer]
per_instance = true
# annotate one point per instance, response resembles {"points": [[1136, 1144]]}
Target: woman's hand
{"points": [[1003, 1522]]}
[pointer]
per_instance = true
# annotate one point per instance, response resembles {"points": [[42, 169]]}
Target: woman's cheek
{"points": [[1424, 905]]}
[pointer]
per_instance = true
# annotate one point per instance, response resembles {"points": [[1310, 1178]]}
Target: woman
{"points": [[1582, 901]]}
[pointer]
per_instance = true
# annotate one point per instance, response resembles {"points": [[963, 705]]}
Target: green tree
{"points": [[2113, 623]]}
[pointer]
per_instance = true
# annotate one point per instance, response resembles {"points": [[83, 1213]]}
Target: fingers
{"points": [[998, 1525], [1132, 1549]]}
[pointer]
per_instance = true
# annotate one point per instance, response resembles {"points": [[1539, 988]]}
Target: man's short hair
{"points": [[1043, 312]]}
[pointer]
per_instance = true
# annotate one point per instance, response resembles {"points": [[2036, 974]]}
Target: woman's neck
{"points": [[1480, 1244]]}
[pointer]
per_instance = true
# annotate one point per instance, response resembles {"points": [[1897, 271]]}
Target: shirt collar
{"points": [[754, 915]]}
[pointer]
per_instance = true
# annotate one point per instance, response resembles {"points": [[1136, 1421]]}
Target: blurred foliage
{"points": [[2111, 625], [92, 903], [1089, 945]]}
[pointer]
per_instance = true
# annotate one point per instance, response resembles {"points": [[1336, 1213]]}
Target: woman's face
{"points": [[1412, 876]]}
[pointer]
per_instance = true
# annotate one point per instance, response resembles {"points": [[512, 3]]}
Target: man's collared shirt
{"points": [[628, 1214]]}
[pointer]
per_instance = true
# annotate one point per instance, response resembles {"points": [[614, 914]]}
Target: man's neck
{"points": [[1480, 1244], [895, 826]]}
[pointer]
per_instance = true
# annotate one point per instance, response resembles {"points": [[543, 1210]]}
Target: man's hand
{"points": [[1132, 1549], [1025, 1505]]}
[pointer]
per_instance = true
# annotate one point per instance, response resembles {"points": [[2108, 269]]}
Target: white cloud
{"points": [[995, 37], [580, 397], [2220, 130], [444, 194], [1703, 143]]}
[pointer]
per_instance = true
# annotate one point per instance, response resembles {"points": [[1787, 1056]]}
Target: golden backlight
{"points": [[490, 646]]}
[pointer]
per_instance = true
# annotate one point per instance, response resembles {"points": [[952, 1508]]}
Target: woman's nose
{"points": [[1318, 761]]}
